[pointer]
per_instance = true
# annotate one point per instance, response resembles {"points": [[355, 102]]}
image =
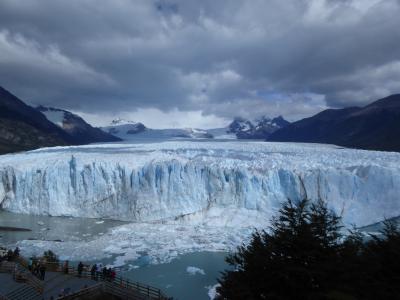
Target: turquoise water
{"points": [[172, 278]]}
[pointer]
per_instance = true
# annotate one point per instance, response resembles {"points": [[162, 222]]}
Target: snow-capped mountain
{"points": [[260, 128], [129, 130], [240, 125], [75, 126], [123, 128]]}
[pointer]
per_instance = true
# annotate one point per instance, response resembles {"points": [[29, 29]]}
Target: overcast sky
{"points": [[193, 63]]}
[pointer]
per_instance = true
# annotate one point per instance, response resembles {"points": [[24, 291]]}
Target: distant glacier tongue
{"points": [[190, 180]]}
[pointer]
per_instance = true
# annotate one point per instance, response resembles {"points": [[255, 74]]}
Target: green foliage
{"points": [[381, 265], [304, 256], [50, 256]]}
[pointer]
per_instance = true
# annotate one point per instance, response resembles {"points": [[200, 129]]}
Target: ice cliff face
{"points": [[188, 180]]}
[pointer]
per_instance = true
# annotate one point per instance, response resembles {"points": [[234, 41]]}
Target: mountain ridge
{"points": [[375, 126], [24, 128], [75, 126], [260, 128]]}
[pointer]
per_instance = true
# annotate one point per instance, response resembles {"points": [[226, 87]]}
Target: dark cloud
{"points": [[218, 57]]}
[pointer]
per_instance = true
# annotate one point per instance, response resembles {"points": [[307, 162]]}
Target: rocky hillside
{"points": [[22, 127], [375, 126], [75, 126]]}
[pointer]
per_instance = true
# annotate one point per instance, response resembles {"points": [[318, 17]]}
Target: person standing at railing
{"points": [[16, 252], [93, 272], [35, 269], [99, 268], [66, 267], [113, 274], [10, 255], [30, 263], [80, 269], [104, 275], [42, 270]]}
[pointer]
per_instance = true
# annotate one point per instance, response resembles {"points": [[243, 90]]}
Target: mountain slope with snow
{"points": [[24, 128], [260, 128], [76, 127], [191, 180]]}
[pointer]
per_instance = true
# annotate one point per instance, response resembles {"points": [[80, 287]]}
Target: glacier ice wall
{"points": [[176, 180]]}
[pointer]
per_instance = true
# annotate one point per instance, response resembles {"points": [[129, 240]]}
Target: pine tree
{"points": [[294, 259], [381, 264]]}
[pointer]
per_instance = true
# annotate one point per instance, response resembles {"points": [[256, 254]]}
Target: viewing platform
{"points": [[17, 282]]}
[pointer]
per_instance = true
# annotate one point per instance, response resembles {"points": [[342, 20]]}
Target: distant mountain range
{"points": [[129, 130], [23, 127], [374, 127], [240, 128]]}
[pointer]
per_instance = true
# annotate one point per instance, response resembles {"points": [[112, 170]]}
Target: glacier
{"points": [[185, 179], [188, 196]]}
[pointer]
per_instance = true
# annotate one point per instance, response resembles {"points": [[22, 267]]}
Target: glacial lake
{"points": [[188, 276]]}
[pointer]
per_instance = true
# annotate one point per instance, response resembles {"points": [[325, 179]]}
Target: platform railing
{"points": [[117, 285], [21, 275]]}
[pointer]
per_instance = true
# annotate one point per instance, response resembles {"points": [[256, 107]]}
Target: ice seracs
{"points": [[190, 181]]}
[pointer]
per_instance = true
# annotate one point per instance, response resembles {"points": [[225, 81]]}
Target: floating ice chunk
{"points": [[40, 223], [212, 291], [132, 267], [194, 270], [99, 222]]}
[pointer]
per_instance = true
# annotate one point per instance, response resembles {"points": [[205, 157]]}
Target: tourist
{"points": [[113, 274], [10, 255], [36, 269], [93, 272], [16, 252], [33, 267], [30, 263], [104, 277], [99, 267], [42, 270], [66, 267], [80, 269], [109, 274]]}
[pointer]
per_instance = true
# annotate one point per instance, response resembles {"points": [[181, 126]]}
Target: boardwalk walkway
{"points": [[16, 282]]}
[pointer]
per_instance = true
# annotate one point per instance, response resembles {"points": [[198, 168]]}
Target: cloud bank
{"points": [[199, 62]]}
